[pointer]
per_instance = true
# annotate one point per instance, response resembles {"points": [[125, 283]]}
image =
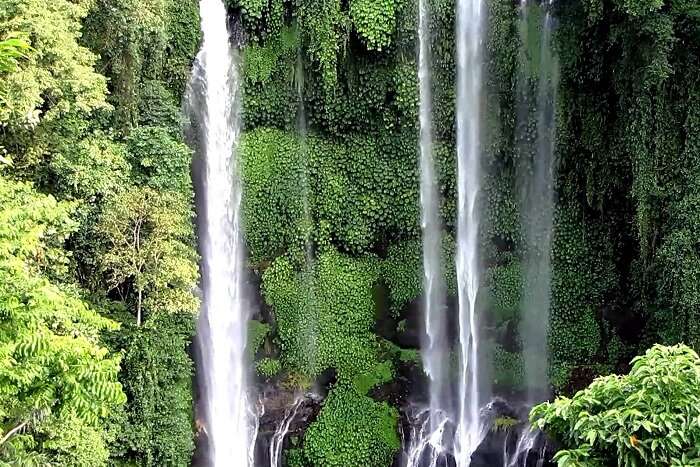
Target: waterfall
{"points": [[426, 442], [277, 441], [529, 447], [469, 86], [536, 178], [434, 347], [536, 98], [213, 106]]}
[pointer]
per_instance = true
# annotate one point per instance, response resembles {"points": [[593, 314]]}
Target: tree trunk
{"points": [[12, 432], [138, 308]]}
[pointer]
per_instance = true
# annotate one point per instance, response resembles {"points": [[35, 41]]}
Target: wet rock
{"points": [[408, 328], [276, 405]]}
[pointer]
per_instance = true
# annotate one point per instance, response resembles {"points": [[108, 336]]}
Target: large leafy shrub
{"points": [[649, 417]]}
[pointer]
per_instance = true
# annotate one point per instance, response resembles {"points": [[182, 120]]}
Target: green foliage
{"points": [[402, 271], [257, 332], [347, 207], [325, 26], [88, 169], [381, 373], [505, 287], [157, 374], [268, 367], [504, 423], [648, 417], [149, 259], [274, 207], [54, 373], [159, 161], [352, 430], [55, 79], [582, 277], [261, 18], [59, 383], [324, 318], [262, 60], [141, 40], [374, 21], [508, 371], [12, 50]]}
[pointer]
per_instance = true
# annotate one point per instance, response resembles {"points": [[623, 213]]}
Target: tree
{"points": [[149, 250], [53, 372], [58, 75], [649, 417]]}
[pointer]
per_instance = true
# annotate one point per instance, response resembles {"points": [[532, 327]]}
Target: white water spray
{"points": [[428, 439], [213, 104], [469, 94]]}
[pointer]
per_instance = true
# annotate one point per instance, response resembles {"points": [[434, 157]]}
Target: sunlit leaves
{"points": [[52, 368], [649, 417]]}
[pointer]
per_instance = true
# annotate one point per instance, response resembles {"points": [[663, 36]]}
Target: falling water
{"points": [[213, 105], [537, 199], [536, 104], [277, 441], [469, 85], [528, 449], [426, 441], [433, 348]]}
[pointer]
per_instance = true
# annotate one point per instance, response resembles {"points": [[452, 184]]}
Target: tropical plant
{"points": [[649, 417], [54, 373]]}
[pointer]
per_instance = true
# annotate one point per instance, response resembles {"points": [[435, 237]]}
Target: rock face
{"points": [[277, 409], [510, 442]]}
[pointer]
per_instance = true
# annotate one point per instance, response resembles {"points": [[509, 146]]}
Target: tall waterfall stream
{"points": [[213, 103]]}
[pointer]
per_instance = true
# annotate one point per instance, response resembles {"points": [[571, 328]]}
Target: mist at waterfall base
{"points": [[213, 107]]}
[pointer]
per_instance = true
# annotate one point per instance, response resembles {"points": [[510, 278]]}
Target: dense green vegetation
{"points": [[97, 247], [98, 261], [649, 417]]}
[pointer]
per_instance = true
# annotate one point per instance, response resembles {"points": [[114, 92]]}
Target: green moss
{"points": [[504, 423]]}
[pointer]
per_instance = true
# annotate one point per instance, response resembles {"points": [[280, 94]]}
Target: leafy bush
{"points": [[54, 372], [649, 417], [352, 430], [324, 318], [158, 375], [268, 367]]}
